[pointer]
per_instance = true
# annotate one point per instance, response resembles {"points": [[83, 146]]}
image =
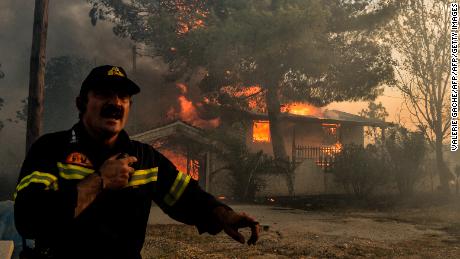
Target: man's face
{"points": [[106, 112]]}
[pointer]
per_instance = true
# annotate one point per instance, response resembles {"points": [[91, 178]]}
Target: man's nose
{"points": [[115, 99]]}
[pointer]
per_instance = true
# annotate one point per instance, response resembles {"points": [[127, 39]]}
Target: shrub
{"points": [[407, 151], [246, 168], [360, 170]]}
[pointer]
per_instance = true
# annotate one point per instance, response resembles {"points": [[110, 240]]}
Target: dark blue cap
{"points": [[110, 77]]}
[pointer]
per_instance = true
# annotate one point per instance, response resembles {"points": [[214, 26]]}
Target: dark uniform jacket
{"points": [[114, 225]]}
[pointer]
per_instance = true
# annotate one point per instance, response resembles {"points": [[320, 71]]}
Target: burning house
{"points": [[311, 136]]}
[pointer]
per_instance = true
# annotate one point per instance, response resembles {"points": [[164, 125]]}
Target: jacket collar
{"points": [[80, 135]]}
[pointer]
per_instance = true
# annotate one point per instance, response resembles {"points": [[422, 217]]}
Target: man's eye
{"points": [[123, 96], [102, 93]]}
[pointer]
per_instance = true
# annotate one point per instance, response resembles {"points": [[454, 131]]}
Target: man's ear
{"points": [[81, 106]]}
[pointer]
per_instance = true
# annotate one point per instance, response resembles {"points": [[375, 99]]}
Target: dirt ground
{"points": [[429, 230]]}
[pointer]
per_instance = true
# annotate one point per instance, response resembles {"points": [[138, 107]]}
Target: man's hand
{"points": [[232, 221], [116, 170]]}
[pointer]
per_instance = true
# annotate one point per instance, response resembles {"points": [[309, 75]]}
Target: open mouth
{"points": [[112, 112]]}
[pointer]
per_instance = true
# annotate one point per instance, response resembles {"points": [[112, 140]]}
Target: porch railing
{"points": [[322, 156]]}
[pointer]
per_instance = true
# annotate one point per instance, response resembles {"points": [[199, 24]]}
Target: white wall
{"points": [[309, 180]]}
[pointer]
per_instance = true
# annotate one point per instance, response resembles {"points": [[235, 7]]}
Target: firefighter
{"points": [[86, 192]]}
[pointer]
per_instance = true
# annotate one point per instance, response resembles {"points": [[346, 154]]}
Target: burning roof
{"points": [[328, 116]]}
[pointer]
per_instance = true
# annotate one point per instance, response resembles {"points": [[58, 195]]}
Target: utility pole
{"points": [[37, 72]]}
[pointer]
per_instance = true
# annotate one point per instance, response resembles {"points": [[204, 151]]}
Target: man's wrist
{"points": [[222, 213]]}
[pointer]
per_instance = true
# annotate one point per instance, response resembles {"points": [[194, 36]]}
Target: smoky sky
{"points": [[70, 33]]}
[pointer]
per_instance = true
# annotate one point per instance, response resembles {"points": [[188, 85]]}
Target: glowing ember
{"points": [[338, 147], [241, 91], [327, 154], [191, 14], [301, 109], [182, 88], [332, 150], [261, 131]]}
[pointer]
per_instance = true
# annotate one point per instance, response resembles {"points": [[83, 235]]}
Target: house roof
{"points": [[175, 128], [328, 116]]}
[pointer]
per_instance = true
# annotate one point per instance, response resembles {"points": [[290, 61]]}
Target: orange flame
{"points": [[301, 109], [248, 92], [188, 112], [261, 131]]}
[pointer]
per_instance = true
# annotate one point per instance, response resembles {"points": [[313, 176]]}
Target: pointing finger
{"points": [[255, 229], [246, 221], [234, 234]]}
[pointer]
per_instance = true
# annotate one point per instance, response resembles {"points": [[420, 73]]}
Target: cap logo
{"points": [[115, 71]]}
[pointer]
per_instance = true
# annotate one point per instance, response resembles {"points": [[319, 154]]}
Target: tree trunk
{"points": [[37, 72], [441, 166], [273, 108], [279, 149]]}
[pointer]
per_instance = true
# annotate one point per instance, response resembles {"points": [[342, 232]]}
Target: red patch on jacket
{"points": [[80, 159]]}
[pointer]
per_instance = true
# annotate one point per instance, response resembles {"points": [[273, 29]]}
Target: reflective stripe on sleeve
{"points": [[140, 177], [177, 188], [49, 180], [73, 172]]}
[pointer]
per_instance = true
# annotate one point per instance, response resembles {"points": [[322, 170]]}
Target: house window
{"points": [[330, 132], [261, 132]]}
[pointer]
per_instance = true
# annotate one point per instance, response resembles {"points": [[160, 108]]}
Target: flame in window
{"points": [[331, 128], [261, 131], [180, 161]]}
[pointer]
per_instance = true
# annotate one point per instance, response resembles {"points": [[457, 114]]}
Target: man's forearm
{"points": [[87, 190]]}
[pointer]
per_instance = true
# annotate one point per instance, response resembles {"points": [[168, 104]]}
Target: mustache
{"points": [[112, 111]]}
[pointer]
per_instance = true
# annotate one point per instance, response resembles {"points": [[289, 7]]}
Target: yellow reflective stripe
{"points": [[177, 188], [49, 180], [145, 176], [145, 171], [36, 176], [178, 178], [72, 172]]}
